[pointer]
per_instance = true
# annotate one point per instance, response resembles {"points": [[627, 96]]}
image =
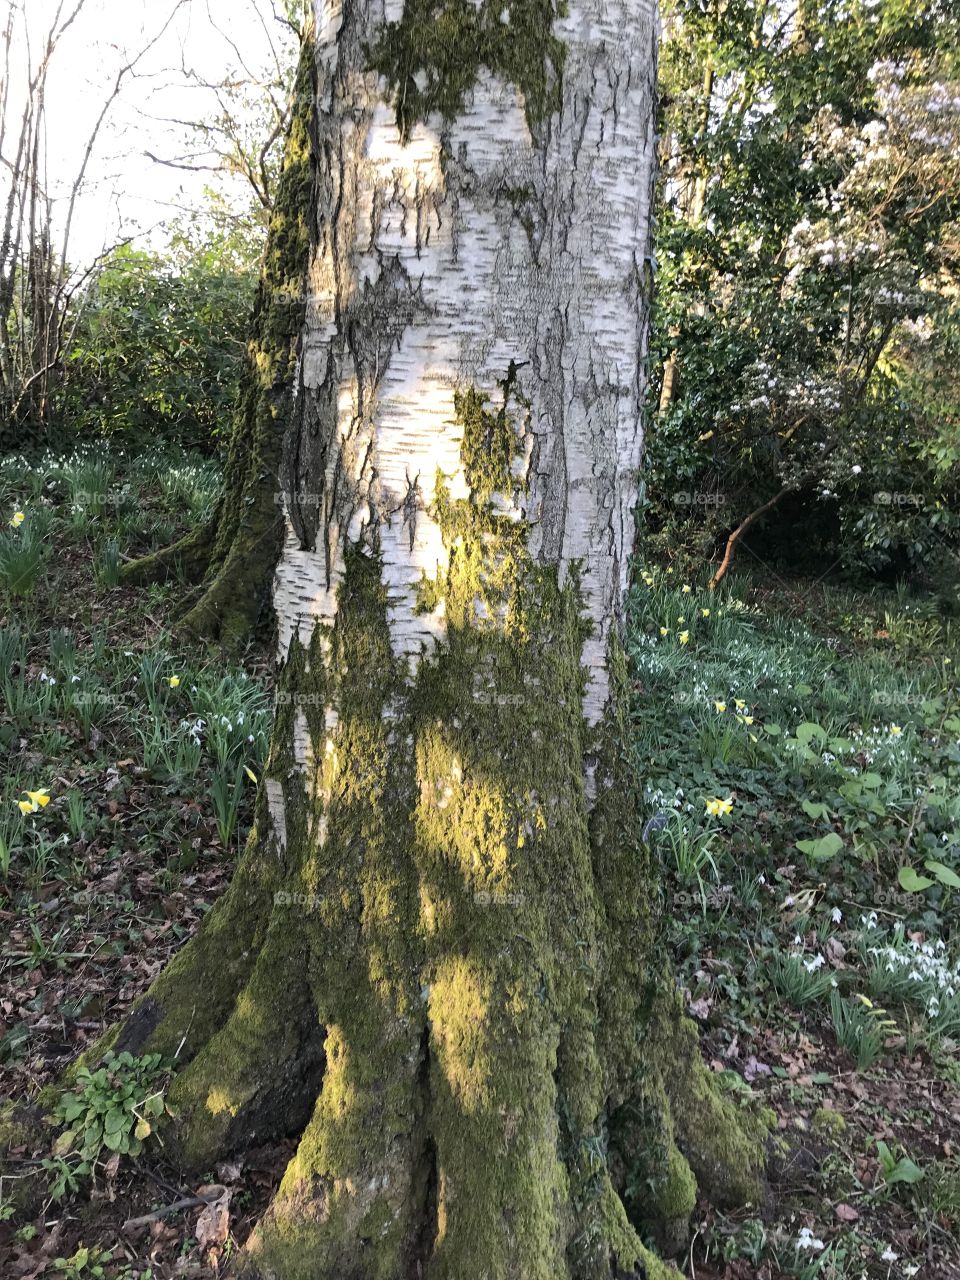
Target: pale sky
{"points": [[125, 191]]}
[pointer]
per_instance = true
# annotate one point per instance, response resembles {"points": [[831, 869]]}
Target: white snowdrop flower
{"points": [[74, 679], [798, 941], [856, 469], [813, 964], [836, 915], [888, 1255], [761, 879], [807, 1240]]}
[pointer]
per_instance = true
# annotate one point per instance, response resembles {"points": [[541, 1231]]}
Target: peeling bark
{"points": [[436, 963]]}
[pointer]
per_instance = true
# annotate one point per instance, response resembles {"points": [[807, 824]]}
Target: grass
{"points": [[795, 760], [829, 721]]}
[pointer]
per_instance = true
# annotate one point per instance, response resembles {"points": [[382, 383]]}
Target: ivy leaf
{"points": [[820, 850], [946, 875], [808, 731], [911, 881], [814, 810]]}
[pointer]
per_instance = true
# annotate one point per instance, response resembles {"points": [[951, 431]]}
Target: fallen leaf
{"points": [[213, 1225], [845, 1213]]}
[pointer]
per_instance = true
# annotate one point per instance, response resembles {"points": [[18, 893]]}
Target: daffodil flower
{"points": [[704, 613], [739, 703], [685, 589], [684, 637], [36, 800], [670, 570], [664, 631], [173, 681], [720, 706], [17, 519], [745, 719], [681, 619], [719, 808], [250, 774], [895, 731]]}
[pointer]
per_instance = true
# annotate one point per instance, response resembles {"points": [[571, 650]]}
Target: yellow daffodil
{"points": [[895, 731], [739, 703], [250, 774], [36, 800], [719, 808], [664, 631], [685, 589], [745, 719], [684, 637], [173, 681], [17, 519], [720, 706], [704, 613], [670, 570]]}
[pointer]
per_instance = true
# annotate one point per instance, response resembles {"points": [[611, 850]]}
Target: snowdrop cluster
{"points": [[928, 963]]}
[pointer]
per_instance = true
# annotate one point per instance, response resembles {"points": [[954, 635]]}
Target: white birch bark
{"points": [[432, 273]]}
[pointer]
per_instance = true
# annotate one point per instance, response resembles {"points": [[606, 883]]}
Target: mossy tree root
{"points": [[186, 560], [419, 968]]}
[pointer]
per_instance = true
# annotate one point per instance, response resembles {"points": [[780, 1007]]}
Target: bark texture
{"points": [[437, 962]]}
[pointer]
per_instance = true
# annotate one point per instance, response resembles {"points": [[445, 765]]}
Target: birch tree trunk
{"points": [[436, 964]]}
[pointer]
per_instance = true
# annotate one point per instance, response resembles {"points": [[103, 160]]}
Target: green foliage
{"points": [[23, 553], [807, 318], [797, 984], [159, 345], [860, 1028], [894, 1170], [112, 1109]]}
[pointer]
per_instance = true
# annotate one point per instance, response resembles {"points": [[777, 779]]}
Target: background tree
{"points": [[436, 964], [38, 283], [808, 254], [158, 345]]}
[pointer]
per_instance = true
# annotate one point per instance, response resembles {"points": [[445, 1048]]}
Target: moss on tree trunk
{"points": [[437, 965]]}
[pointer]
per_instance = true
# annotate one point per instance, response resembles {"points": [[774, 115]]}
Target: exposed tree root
{"points": [[186, 560], [432, 969]]}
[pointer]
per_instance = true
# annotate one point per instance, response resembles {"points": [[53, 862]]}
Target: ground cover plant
{"points": [[799, 747]]}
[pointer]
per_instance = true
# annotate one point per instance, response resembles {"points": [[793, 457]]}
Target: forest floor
{"points": [[800, 747]]}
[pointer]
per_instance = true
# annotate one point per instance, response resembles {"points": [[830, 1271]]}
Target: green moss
{"points": [[724, 1144], [347, 1204], [22, 1137], [433, 55], [828, 1123]]}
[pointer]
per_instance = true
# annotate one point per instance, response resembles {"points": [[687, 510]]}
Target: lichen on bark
{"points": [[441, 963]]}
